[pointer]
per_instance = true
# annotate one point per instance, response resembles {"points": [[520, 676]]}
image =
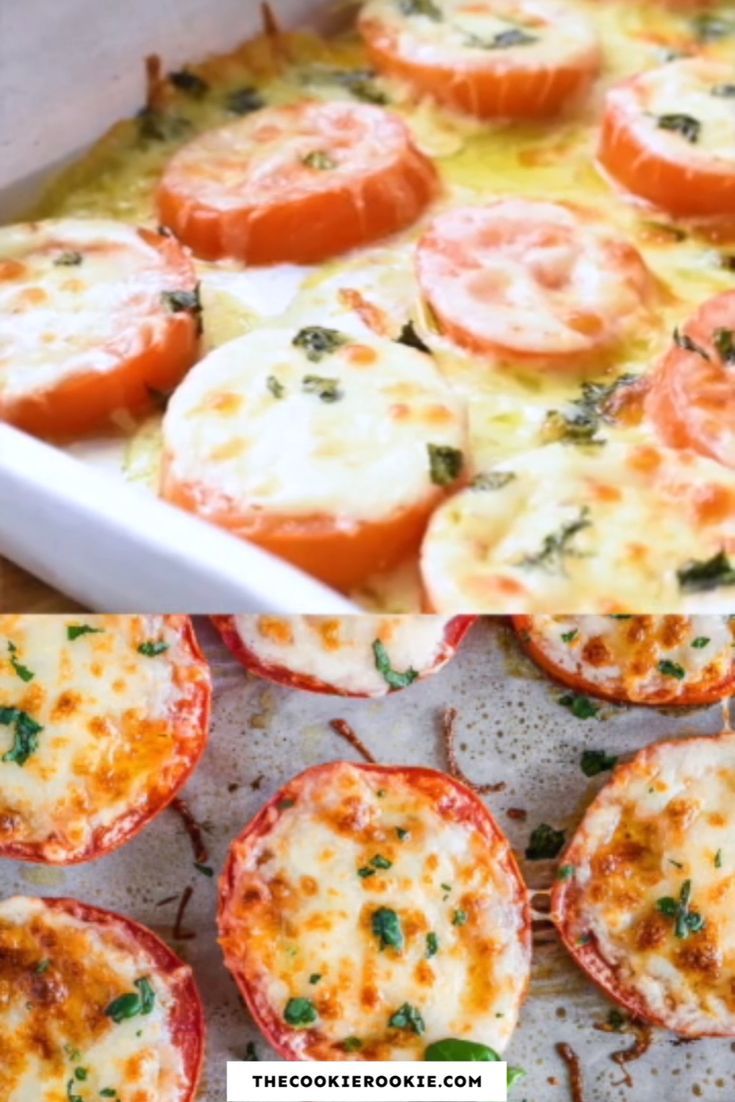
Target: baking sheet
{"points": [[511, 728]]}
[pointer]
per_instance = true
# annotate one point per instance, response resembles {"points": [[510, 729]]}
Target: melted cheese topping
{"points": [[77, 296], [572, 528], [58, 975], [514, 409], [663, 820], [115, 737], [465, 35], [339, 650], [300, 908], [694, 88], [249, 426], [643, 658]]}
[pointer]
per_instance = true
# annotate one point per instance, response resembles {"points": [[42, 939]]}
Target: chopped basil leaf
{"points": [[702, 577], [503, 40], [70, 258], [492, 480], [710, 28], [718, 859], [681, 340], [22, 671], [411, 339], [180, 301], [131, 1004], [380, 862], [569, 636], [688, 921], [42, 966], [276, 388], [315, 977], [676, 864], [365, 872], [458, 1050], [556, 547], [566, 872], [724, 342], [319, 159], [514, 1075], [580, 706], [723, 91], [189, 82], [351, 1044], [386, 926], [616, 1020], [593, 762], [427, 8], [317, 342], [393, 678], [432, 944], [300, 1013], [409, 1018], [80, 1074], [25, 735], [589, 412], [672, 669], [151, 649], [689, 127], [205, 870], [445, 464], [402, 833], [74, 631], [108, 1092], [544, 843], [326, 389], [359, 82], [700, 642], [460, 918], [154, 126], [71, 1094], [243, 101]]}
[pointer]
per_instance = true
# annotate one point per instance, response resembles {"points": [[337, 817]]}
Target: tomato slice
{"points": [[327, 449], [644, 903], [674, 660], [348, 865], [692, 396], [95, 315], [589, 530], [668, 136], [515, 59], [105, 719], [299, 183], [523, 277], [125, 1006], [337, 654]]}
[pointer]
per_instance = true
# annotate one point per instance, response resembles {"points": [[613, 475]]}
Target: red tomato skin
{"points": [[108, 840], [281, 675], [588, 956], [691, 699], [465, 806], [188, 1024]]}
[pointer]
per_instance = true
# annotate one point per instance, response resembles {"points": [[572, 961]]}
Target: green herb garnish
{"points": [[319, 160], [411, 339], [351, 1044], [545, 843], [702, 577], [68, 259], [427, 8], [326, 389], [593, 762], [683, 340], [566, 872], [460, 918], [276, 388], [445, 464], [557, 547], [409, 1018], [151, 649], [393, 678], [386, 926], [243, 101], [686, 125], [432, 944], [688, 921], [492, 480], [700, 642], [569, 636], [25, 735], [74, 631], [317, 342], [22, 671], [131, 1004], [300, 1013], [189, 82], [580, 706], [672, 669], [724, 342]]}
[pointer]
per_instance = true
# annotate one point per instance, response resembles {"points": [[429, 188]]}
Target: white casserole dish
{"points": [[67, 72]]}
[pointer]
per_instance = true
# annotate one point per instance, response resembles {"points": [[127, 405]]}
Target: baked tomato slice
{"points": [[357, 908], [95, 317], [692, 396], [668, 136], [598, 530], [516, 59], [364, 656], [327, 449], [527, 278], [103, 720], [94, 1004], [680, 660], [645, 895], [300, 183]]}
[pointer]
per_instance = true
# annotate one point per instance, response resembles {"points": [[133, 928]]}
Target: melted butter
{"points": [[508, 404]]}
